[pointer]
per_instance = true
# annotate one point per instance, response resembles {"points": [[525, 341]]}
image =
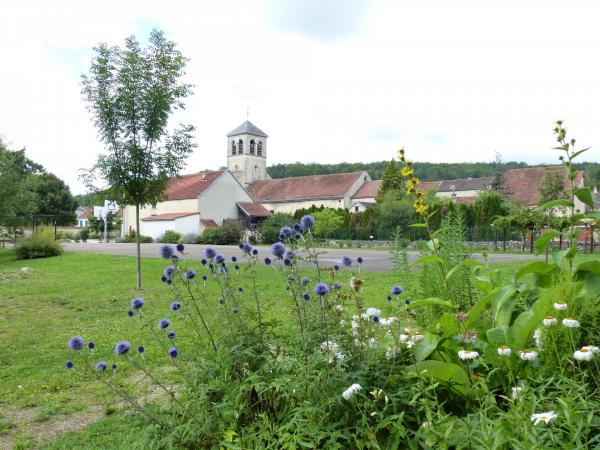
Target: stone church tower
{"points": [[247, 153]]}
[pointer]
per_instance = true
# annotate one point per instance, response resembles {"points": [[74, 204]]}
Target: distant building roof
{"points": [[304, 188], [523, 184], [190, 186], [209, 223], [369, 189], [253, 209], [84, 212], [168, 216], [247, 128], [426, 186], [466, 184]]}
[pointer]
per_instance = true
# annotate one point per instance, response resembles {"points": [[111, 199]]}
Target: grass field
{"points": [[45, 302]]}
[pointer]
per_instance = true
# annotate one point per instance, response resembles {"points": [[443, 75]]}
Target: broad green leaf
{"points": [[446, 325], [442, 371], [584, 194], [593, 215], [478, 308], [589, 272], [431, 301], [504, 303], [498, 336], [466, 263], [484, 283], [428, 259], [537, 267], [433, 244], [418, 225], [524, 325], [426, 347], [579, 152], [555, 203], [544, 240]]}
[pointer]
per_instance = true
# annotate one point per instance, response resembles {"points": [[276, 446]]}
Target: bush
{"points": [[84, 234], [171, 237], [229, 233], [39, 245], [269, 229], [191, 238]]}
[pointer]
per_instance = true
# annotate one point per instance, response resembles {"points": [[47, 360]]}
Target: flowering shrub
{"points": [[507, 364]]}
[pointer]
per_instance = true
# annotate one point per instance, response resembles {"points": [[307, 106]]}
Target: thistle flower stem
{"points": [[212, 341], [255, 292]]}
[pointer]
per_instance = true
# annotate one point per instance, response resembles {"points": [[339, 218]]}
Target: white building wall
{"points": [[291, 207], [472, 193], [169, 206], [218, 202], [183, 225]]}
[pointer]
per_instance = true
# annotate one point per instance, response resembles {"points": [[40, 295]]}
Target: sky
{"points": [[328, 80]]}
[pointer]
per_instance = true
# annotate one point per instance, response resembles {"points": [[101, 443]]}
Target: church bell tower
{"points": [[247, 153]]}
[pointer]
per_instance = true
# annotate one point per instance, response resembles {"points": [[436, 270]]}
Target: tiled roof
{"points": [[300, 188], [466, 184], [190, 186], [168, 216], [426, 186], [247, 128], [254, 209], [208, 223], [523, 184], [369, 189], [84, 212]]}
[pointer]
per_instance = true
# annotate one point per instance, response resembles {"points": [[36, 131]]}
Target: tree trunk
{"points": [[137, 239]]}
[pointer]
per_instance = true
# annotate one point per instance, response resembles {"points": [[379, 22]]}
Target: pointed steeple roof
{"points": [[247, 128]]}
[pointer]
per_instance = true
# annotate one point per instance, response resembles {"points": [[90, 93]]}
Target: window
{"points": [[252, 146], [233, 147], [259, 148], [240, 147], [356, 209]]}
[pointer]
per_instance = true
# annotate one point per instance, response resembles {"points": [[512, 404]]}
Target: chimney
{"points": [[203, 176]]}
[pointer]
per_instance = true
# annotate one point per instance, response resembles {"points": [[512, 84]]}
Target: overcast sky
{"points": [[328, 80]]}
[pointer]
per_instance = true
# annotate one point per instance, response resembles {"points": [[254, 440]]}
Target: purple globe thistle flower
{"points": [[163, 278], [254, 252], [190, 274], [174, 258], [278, 249], [174, 306], [407, 301], [136, 303], [122, 347], [163, 323], [359, 260], [321, 289], [291, 278], [203, 261], [171, 335], [347, 261], [219, 258], [169, 271], [307, 221], [169, 282], [222, 301], [246, 248], [268, 261], [91, 345], [204, 278], [375, 319], [286, 232], [297, 237], [298, 227], [240, 289], [287, 262], [233, 259], [336, 285], [166, 251], [114, 367], [141, 349], [389, 298], [289, 254], [241, 245], [101, 366], [336, 267], [173, 353], [211, 266], [130, 313], [236, 267], [234, 310], [180, 248], [69, 364], [397, 290], [76, 343], [223, 269], [210, 253], [306, 297], [304, 281]]}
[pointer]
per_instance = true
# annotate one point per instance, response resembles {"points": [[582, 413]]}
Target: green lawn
{"points": [[45, 302]]}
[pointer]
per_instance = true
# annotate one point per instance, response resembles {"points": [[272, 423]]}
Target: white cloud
{"points": [[450, 81]]}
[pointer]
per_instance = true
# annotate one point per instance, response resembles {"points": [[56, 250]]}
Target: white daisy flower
{"points": [[417, 337], [426, 424], [370, 312], [504, 350], [591, 348], [550, 321], [390, 352], [528, 355], [403, 338], [372, 343], [343, 323], [546, 417], [351, 391], [570, 323], [329, 347], [583, 354], [468, 354], [516, 392], [339, 308], [560, 306], [387, 322]]}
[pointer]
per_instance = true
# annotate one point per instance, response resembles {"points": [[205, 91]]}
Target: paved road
{"points": [[374, 260]]}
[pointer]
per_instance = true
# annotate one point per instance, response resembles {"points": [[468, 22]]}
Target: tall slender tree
{"points": [[131, 93]]}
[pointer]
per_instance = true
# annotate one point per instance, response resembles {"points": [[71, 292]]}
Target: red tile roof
{"points": [[523, 184], [426, 186], [190, 186], [85, 212], [369, 189], [208, 223], [168, 216], [300, 188], [254, 209]]}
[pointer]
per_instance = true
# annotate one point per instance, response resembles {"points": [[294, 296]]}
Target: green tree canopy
{"points": [[131, 93], [488, 205], [551, 186], [392, 180]]}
